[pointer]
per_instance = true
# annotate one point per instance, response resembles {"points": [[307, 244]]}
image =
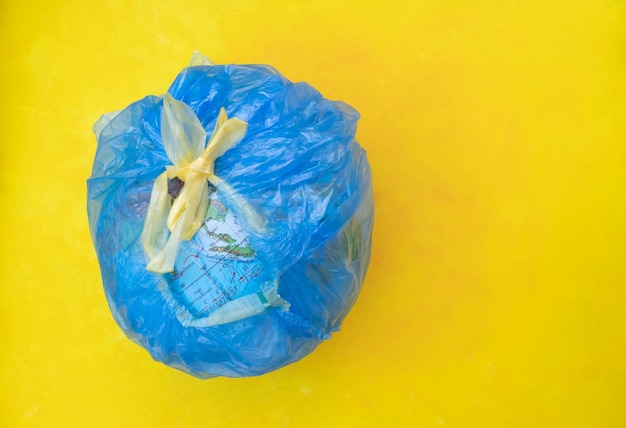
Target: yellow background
{"points": [[496, 132]]}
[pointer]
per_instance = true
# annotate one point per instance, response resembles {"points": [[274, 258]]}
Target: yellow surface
{"points": [[496, 131]]}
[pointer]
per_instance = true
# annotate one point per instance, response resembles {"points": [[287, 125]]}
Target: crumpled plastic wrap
{"points": [[298, 167]]}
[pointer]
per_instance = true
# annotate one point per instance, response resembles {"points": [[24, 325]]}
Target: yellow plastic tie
{"points": [[168, 224]]}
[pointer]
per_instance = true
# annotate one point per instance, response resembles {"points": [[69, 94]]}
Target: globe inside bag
{"points": [[242, 252]]}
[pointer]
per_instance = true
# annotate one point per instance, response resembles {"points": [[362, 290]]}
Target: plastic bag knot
{"points": [[169, 223]]}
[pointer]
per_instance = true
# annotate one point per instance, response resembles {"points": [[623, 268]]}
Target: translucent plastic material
{"points": [[298, 168]]}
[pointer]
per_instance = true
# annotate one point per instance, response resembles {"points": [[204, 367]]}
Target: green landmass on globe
{"points": [[217, 211]]}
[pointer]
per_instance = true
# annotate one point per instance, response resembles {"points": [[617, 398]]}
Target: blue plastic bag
{"points": [[241, 300]]}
